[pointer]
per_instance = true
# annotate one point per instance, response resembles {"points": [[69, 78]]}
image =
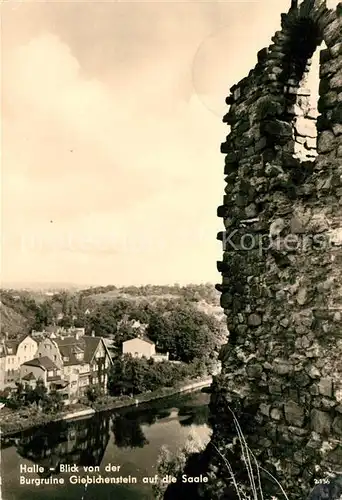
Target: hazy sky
{"points": [[111, 135]]}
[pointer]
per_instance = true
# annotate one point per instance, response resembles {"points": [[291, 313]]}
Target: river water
{"points": [[130, 438]]}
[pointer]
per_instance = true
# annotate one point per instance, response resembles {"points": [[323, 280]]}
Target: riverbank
{"points": [[112, 403], [14, 421]]}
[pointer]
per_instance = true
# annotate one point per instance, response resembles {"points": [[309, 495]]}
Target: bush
{"points": [[93, 393], [26, 396]]}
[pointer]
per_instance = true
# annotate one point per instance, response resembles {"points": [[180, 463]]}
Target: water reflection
{"points": [[130, 437], [195, 416], [128, 433], [84, 442], [79, 442]]}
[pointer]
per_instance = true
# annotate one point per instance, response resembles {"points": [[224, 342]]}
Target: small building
{"points": [[143, 347], [54, 331], [49, 331], [76, 331], [139, 347], [138, 328]]}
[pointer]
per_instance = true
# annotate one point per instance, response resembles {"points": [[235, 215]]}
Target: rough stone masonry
{"points": [[281, 269]]}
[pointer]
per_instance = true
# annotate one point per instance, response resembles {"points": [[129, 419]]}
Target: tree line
{"points": [[132, 376]]}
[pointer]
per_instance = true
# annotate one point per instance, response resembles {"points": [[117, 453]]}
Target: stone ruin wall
{"points": [[281, 269]]}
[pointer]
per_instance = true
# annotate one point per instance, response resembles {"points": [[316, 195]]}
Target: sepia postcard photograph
{"points": [[171, 250]]}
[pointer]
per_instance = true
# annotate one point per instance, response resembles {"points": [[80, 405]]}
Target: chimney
{"points": [[77, 335], [93, 333]]}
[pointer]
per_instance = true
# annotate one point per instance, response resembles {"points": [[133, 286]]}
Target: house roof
{"points": [[143, 338], [146, 339], [44, 362], [13, 344], [70, 346]]}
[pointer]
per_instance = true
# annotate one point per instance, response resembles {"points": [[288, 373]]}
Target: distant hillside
{"points": [[12, 322], [17, 313], [190, 292], [23, 310], [42, 287]]}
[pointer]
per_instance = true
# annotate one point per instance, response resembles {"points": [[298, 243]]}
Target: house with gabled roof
{"points": [[14, 352], [142, 347], [84, 361], [46, 370]]}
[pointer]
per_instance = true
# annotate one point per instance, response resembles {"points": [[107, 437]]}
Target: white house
{"points": [[139, 347], [142, 347], [14, 353]]}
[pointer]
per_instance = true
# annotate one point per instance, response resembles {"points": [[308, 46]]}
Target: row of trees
{"points": [[134, 376]]}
